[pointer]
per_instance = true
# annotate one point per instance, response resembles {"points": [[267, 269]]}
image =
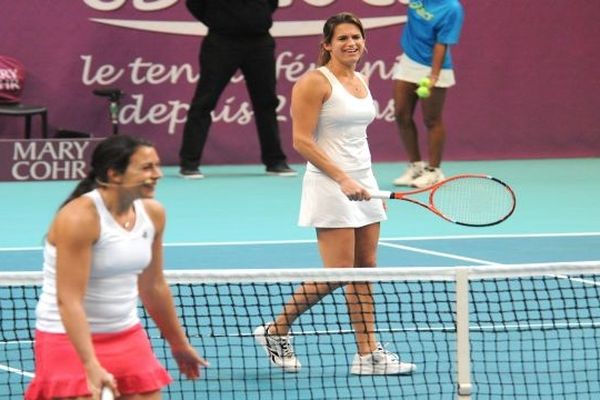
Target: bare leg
{"points": [[142, 396], [306, 296], [138, 396], [337, 251], [405, 101], [432, 109], [359, 299], [340, 248], [359, 295]]}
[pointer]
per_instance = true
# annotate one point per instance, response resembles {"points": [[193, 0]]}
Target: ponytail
{"points": [[87, 184], [324, 55]]}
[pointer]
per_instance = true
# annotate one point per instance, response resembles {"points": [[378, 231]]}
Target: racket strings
{"points": [[474, 201]]}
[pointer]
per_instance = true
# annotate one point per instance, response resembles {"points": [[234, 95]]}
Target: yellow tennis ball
{"points": [[425, 82], [423, 92]]}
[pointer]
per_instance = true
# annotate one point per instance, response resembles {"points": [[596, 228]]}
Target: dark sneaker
{"points": [[281, 169], [190, 173]]}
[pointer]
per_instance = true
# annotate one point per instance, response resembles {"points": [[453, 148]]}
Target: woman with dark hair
{"points": [[331, 109], [103, 250]]}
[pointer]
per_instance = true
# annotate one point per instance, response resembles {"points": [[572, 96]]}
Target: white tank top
{"points": [[117, 258], [342, 128]]}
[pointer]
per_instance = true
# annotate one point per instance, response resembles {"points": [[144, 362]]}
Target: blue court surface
{"points": [[240, 219]]}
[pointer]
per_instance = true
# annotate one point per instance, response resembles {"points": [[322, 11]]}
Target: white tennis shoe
{"points": [[413, 171], [381, 362], [279, 349], [429, 176]]}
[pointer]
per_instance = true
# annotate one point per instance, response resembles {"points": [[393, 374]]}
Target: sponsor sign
{"points": [[149, 49], [45, 160]]}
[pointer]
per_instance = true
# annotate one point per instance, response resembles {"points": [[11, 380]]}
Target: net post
{"points": [[463, 348]]}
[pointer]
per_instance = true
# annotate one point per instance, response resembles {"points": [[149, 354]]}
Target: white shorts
{"points": [[324, 205], [409, 70]]}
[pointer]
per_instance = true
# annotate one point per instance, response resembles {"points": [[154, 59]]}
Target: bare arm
{"points": [[158, 301], [73, 232], [308, 96], [439, 53]]}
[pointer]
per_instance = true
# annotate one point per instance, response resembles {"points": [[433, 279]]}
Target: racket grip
{"points": [[106, 394], [381, 194]]}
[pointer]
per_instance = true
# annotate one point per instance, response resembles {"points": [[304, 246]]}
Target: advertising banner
{"points": [[44, 160], [521, 69]]}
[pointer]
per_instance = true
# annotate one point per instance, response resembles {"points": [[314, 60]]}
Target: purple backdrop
{"points": [[527, 82]]}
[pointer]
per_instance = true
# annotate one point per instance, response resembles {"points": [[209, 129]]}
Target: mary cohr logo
{"points": [[9, 79], [41, 160]]}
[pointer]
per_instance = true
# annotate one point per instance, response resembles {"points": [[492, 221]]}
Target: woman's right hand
{"points": [[97, 378], [353, 190]]}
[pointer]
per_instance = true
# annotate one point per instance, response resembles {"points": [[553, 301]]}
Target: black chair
{"points": [[27, 111]]}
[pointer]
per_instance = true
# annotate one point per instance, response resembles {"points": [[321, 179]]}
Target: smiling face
{"points": [[347, 44], [142, 173]]}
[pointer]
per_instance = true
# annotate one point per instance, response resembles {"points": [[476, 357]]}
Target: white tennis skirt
{"points": [[411, 71], [324, 205]]}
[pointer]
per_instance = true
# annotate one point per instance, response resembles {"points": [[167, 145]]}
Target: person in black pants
{"points": [[238, 38]]}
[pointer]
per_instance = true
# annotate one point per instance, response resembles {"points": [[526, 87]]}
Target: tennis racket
{"points": [[469, 200], [106, 394]]}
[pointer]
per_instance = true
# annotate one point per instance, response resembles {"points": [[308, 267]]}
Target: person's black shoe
{"points": [[190, 173], [281, 169]]}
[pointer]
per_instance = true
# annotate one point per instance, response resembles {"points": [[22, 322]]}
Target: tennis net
{"points": [[523, 331]]}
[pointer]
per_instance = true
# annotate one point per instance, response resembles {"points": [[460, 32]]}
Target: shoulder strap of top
{"points": [[141, 212], [95, 196], [329, 75], [362, 79], [98, 202]]}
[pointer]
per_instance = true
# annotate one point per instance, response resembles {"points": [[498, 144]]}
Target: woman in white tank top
{"points": [[331, 109], [105, 245]]}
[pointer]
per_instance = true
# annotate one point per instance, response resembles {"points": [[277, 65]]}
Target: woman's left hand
{"points": [[189, 362]]}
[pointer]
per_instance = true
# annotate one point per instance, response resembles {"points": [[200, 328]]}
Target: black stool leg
{"points": [[45, 125], [28, 126]]}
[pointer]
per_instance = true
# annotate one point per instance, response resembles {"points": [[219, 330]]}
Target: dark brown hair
{"points": [[329, 28], [112, 153]]}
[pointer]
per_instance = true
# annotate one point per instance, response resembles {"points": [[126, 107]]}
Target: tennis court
{"points": [[531, 336]]}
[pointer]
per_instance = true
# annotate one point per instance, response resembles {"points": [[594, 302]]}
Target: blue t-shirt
{"points": [[430, 22]]}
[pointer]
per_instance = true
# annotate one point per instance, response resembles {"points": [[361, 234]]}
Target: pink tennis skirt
{"points": [[127, 355]]}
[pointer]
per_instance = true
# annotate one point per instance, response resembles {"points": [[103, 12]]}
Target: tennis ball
{"points": [[423, 92], [425, 82]]}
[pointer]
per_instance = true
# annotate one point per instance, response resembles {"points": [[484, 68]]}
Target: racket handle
{"points": [[381, 194], [106, 394]]}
